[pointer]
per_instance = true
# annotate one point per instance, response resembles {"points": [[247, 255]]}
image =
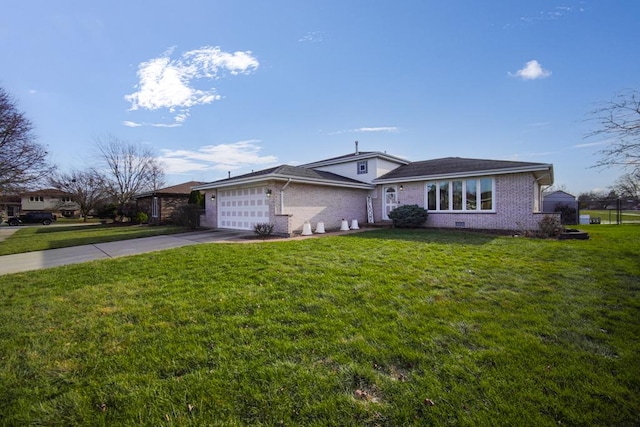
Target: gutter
{"points": [[467, 174], [263, 178]]}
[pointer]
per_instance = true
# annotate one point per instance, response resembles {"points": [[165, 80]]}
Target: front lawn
{"points": [[39, 238], [389, 327]]}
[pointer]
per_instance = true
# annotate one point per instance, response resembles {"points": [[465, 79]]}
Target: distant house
{"points": [[49, 200], [9, 205], [367, 186], [160, 204]]}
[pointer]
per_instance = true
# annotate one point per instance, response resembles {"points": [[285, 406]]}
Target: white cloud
{"points": [[378, 129], [555, 14], [166, 83], [131, 124], [311, 37], [389, 129], [532, 70], [222, 157], [590, 144]]}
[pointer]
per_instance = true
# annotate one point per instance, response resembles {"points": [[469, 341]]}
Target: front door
{"points": [[390, 201]]}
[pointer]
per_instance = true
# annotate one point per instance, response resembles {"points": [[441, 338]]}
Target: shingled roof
{"points": [[51, 192], [360, 155], [284, 172], [179, 189], [452, 166]]}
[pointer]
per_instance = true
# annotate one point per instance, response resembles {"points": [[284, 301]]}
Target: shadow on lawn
{"points": [[430, 235]]}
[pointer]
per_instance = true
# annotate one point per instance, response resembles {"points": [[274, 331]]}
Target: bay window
{"points": [[469, 195]]}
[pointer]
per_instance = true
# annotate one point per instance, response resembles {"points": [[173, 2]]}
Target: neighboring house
{"points": [[366, 186], [160, 204], [9, 206], [49, 200]]}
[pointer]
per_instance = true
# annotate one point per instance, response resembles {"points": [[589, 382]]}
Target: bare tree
{"points": [[87, 188], [156, 175], [628, 186], [22, 161], [619, 120], [129, 168]]}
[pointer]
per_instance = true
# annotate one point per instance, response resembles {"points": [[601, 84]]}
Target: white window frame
{"points": [[363, 167], [154, 207], [464, 209]]}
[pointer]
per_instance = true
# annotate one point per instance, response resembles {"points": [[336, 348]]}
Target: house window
{"points": [[432, 189], [461, 195], [36, 199], [363, 167], [486, 192], [154, 207], [471, 195]]}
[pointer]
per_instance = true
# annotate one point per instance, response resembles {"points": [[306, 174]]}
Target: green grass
{"points": [[610, 215], [30, 238], [352, 330]]}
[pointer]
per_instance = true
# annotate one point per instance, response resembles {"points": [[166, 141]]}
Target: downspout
{"points": [[540, 191], [282, 196]]}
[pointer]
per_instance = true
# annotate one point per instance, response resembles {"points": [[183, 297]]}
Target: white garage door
{"points": [[242, 208]]}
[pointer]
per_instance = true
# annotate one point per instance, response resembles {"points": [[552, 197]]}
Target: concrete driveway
{"points": [[77, 254]]}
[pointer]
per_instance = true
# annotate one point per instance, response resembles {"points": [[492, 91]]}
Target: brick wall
{"points": [[513, 202], [166, 206], [210, 217], [316, 203], [513, 206]]}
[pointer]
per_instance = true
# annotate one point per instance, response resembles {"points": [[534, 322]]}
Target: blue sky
{"points": [[218, 86]]}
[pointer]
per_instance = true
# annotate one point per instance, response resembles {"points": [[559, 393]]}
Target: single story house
{"points": [[366, 186], [160, 204]]}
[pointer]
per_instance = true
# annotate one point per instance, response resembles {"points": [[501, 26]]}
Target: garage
{"points": [[242, 208]]}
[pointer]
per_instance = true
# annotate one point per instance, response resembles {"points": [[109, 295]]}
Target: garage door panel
{"points": [[241, 209]]}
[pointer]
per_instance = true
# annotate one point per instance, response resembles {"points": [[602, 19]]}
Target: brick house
{"points": [[160, 204], [366, 186]]}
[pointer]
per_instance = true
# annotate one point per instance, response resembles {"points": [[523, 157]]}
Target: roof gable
{"points": [[559, 194], [351, 157]]}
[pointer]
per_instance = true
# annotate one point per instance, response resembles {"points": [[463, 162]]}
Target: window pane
{"points": [[431, 197], [472, 191], [444, 196], [363, 167], [457, 195], [487, 194]]}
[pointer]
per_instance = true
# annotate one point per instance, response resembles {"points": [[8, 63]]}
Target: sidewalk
{"points": [[77, 254]]}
